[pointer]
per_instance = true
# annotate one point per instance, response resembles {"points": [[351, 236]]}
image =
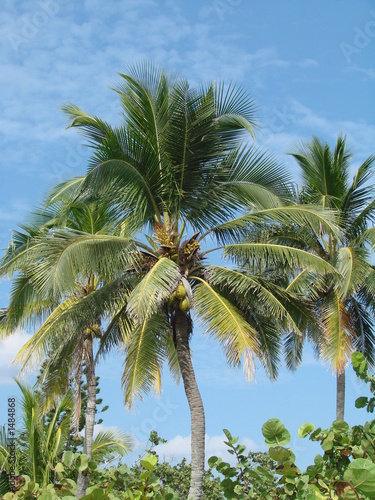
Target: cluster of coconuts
{"points": [[93, 330], [180, 299]]}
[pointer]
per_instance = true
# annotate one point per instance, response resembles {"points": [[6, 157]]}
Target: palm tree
{"points": [[51, 292], [180, 176], [345, 301], [42, 438]]}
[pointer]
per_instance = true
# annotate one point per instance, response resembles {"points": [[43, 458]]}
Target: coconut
{"points": [[185, 305], [96, 330], [180, 292], [87, 332]]}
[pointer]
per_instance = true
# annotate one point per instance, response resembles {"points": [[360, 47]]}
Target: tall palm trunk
{"points": [[340, 395], [83, 480], [195, 404]]}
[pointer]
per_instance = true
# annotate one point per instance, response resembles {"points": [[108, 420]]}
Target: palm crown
{"points": [[345, 300]]}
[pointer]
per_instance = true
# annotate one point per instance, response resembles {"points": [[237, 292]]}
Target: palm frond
{"points": [[92, 127], [171, 357], [235, 109], [224, 321], [111, 441], [359, 194], [352, 263], [145, 353], [69, 189], [242, 287], [59, 261], [293, 350], [68, 320], [324, 173], [26, 308], [339, 336], [273, 254], [125, 178], [307, 283], [304, 216], [153, 289], [269, 343], [364, 327], [37, 347]]}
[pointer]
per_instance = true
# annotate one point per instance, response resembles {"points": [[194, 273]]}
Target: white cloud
{"points": [[360, 135], [284, 127], [369, 73], [179, 447], [9, 347], [308, 63]]}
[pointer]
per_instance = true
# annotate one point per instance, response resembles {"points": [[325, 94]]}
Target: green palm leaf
{"points": [[111, 441], [65, 190], [235, 108], [301, 216], [269, 343], [145, 353], [243, 286], [124, 178], [153, 289], [224, 322], [352, 265], [339, 336], [67, 255], [274, 254], [92, 127]]}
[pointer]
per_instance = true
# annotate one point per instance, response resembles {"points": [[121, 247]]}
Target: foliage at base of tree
{"points": [[345, 469]]}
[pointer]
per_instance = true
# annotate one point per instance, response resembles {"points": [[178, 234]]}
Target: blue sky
{"points": [[310, 68]]}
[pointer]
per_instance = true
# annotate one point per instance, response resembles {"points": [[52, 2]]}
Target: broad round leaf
{"points": [[47, 496], [305, 429], [361, 402], [281, 454], [275, 433], [68, 458], [361, 475], [327, 444], [82, 462], [212, 461], [288, 470], [340, 426], [59, 467], [149, 462], [357, 359]]}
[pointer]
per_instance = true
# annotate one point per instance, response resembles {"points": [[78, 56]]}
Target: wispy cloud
{"points": [[283, 128], [308, 63], [367, 73], [180, 447], [9, 347]]}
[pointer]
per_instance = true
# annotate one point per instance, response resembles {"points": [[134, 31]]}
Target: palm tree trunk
{"points": [[340, 395], [83, 480], [195, 405]]}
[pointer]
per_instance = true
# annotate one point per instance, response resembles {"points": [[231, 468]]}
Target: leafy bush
{"points": [[345, 470]]}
